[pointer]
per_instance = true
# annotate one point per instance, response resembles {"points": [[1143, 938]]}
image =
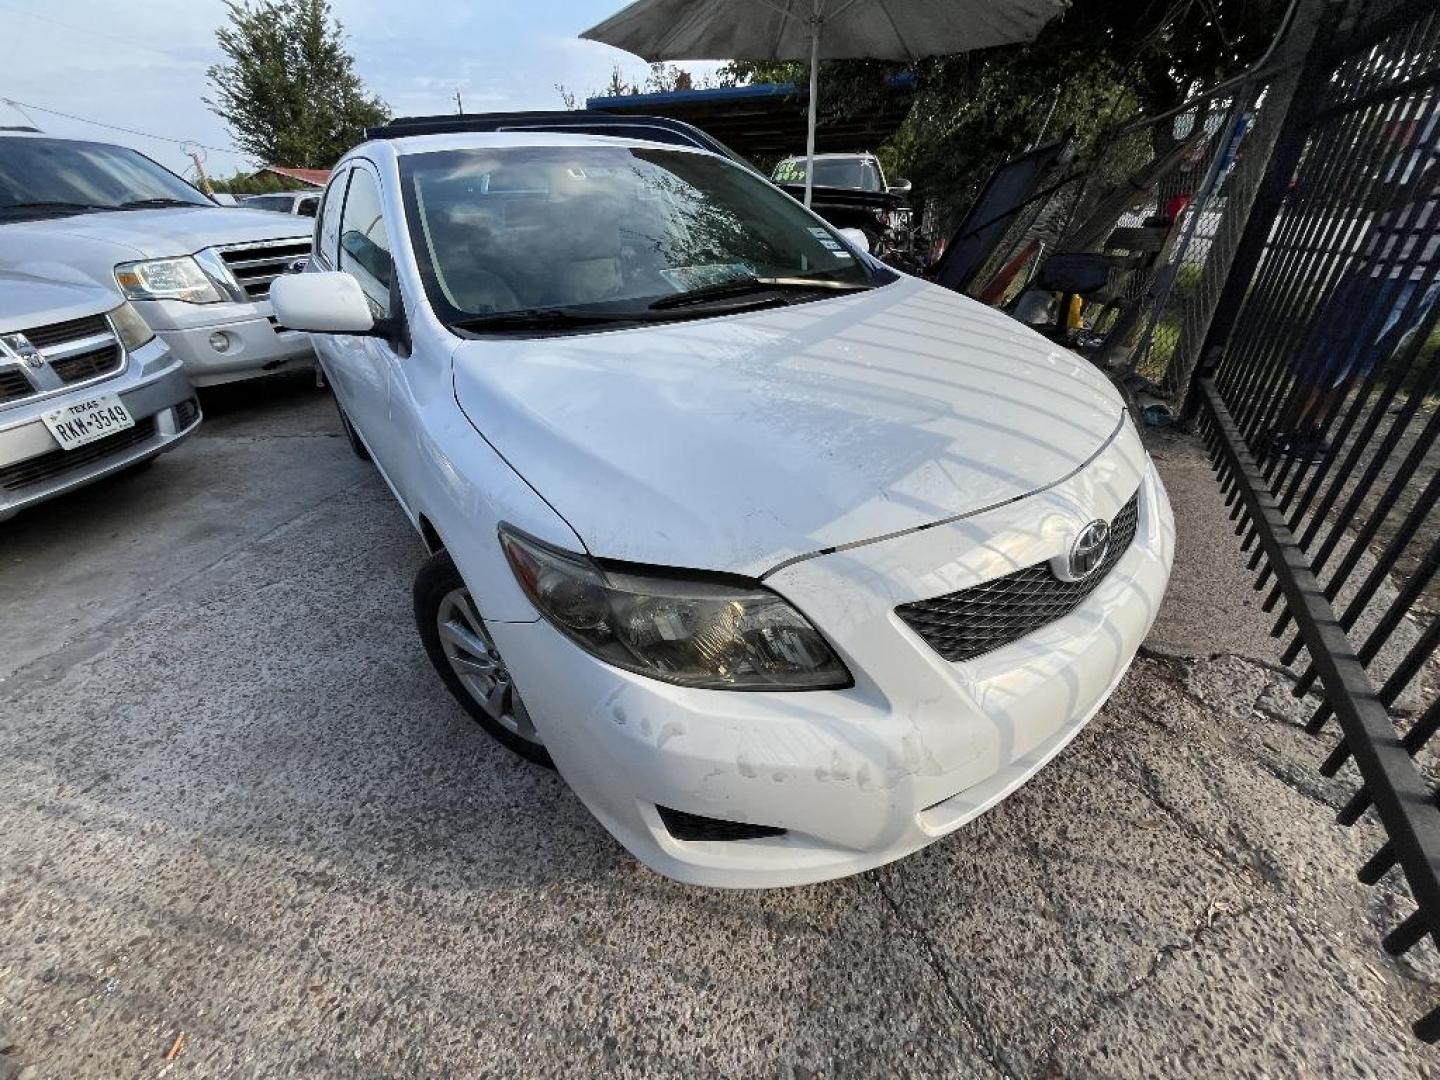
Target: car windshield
{"points": [[49, 175], [857, 174], [527, 228]]}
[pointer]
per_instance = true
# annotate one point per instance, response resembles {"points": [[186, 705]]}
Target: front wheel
{"points": [[463, 652]]}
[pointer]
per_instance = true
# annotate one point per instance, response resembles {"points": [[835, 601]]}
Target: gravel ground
{"points": [[238, 806]]}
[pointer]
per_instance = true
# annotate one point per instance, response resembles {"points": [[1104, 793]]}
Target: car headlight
{"points": [[168, 279], [132, 330], [692, 632]]}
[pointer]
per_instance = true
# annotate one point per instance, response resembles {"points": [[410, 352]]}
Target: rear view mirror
{"points": [[857, 239], [1079, 273], [323, 303], [900, 187]]}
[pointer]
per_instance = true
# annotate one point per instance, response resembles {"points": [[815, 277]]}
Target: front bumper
{"points": [[152, 385], [254, 344], [915, 749]]}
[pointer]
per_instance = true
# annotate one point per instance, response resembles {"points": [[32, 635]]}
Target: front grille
{"points": [[89, 364], [59, 462], [966, 624], [684, 826], [14, 385], [102, 359], [45, 337], [255, 266]]}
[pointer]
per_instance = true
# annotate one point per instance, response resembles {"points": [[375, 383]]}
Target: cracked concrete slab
{"points": [[247, 811]]}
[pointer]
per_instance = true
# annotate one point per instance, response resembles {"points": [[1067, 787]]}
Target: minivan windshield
{"points": [[503, 231], [39, 176]]}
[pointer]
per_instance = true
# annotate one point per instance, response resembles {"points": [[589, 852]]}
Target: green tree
{"points": [[245, 183], [288, 89]]}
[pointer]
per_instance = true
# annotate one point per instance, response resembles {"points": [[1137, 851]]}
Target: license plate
{"points": [[88, 420]]}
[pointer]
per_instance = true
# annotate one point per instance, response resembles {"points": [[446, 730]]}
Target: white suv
{"points": [[197, 272], [789, 563]]}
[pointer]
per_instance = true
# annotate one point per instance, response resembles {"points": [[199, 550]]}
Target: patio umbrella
{"points": [[901, 30]]}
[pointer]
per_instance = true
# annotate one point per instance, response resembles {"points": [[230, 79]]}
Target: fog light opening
{"points": [[683, 826], [220, 342]]}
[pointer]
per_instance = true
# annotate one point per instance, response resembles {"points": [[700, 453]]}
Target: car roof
{"points": [[832, 157], [506, 140]]}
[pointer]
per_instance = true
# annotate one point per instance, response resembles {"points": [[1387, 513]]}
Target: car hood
{"points": [[162, 232], [738, 442], [27, 301]]}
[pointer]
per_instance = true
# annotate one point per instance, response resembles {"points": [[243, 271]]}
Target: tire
{"points": [[468, 662], [350, 433]]}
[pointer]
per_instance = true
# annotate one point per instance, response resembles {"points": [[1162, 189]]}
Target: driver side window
{"points": [[364, 245]]}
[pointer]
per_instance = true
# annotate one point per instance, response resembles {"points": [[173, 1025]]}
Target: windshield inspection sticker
{"points": [[828, 242]]}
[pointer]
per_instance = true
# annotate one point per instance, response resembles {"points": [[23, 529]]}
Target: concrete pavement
{"points": [[237, 804]]}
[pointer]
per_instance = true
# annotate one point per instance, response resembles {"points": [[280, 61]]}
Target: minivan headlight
{"points": [[132, 330], [179, 278], [692, 632]]}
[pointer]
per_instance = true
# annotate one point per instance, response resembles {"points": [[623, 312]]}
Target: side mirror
{"points": [[1079, 273], [900, 187], [857, 239], [329, 302]]}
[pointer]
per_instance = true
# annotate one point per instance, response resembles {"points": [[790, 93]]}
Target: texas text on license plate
{"points": [[88, 420]]}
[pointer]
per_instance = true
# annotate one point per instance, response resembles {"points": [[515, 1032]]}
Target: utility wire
{"points": [[115, 127]]}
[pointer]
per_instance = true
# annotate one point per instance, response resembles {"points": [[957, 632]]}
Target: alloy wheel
{"points": [[476, 661]]}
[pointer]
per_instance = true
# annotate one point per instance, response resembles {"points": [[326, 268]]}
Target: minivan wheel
{"points": [[463, 652], [350, 433]]}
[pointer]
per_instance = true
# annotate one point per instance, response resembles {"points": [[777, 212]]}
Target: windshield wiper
{"points": [[547, 318], [50, 204], [156, 203], [741, 286]]}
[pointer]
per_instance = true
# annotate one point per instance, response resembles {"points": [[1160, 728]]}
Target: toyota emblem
{"points": [[1090, 549]]}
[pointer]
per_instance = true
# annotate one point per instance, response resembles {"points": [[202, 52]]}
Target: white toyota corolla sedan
{"points": [[790, 564]]}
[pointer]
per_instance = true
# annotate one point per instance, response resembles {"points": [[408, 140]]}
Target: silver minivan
{"points": [[86, 389]]}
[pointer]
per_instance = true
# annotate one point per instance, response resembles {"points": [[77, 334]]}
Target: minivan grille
{"points": [[89, 364], [966, 624], [45, 337], [103, 358], [57, 463], [255, 266], [14, 385]]}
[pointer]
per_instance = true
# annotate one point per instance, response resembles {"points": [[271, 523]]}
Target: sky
{"points": [[141, 65]]}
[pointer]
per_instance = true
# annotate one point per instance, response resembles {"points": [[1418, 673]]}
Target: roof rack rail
{"points": [[661, 129]]}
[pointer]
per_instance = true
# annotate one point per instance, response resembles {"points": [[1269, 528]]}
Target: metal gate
{"points": [[1319, 396]]}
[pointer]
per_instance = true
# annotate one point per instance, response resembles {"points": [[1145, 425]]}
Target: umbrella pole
{"points": [[814, 94]]}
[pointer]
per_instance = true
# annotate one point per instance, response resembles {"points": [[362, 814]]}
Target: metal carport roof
{"points": [[767, 120]]}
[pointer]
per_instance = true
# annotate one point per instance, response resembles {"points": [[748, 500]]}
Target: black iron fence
{"points": [[1319, 396]]}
